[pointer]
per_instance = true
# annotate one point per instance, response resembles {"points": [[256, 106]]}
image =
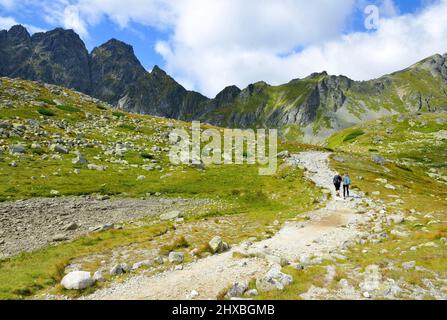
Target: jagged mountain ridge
{"points": [[309, 109]]}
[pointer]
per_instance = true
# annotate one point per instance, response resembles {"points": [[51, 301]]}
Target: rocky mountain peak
{"points": [[17, 34], [228, 94], [114, 46], [436, 64], [157, 71], [114, 67]]}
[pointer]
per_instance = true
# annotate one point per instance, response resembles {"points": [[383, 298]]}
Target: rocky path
{"points": [[326, 230]]}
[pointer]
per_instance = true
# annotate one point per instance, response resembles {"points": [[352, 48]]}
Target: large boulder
{"points": [[77, 280]]}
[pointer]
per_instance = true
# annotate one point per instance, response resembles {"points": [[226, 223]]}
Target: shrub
{"points": [[126, 126], [149, 156], [178, 243], [47, 101], [118, 114], [353, 135], [46, 112], [68, 108], [403, 167]]}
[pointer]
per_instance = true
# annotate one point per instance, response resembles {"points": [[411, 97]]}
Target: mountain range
{"points": [[309, 109]]}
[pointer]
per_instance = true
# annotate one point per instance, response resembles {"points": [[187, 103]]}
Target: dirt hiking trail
{"points": [[325, 231]]}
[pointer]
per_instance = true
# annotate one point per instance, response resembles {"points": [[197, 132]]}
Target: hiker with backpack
{"points": [[337, 183], [346, 185]]}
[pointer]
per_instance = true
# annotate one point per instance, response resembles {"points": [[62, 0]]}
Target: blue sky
{"points": [[208, 44]]}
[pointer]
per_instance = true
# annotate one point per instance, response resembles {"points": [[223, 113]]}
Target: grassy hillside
{"points": [[411, 182], [44, 128], [320, 105]]}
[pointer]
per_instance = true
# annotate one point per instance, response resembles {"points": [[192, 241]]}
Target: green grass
{"points": [[27, 273], [353, 135], [46, 112], [118, 114], [68, 108], [47, 100]]}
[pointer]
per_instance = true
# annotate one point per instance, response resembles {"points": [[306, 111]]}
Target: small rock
{"points": [[297, 266], [95, 167], [119, 269], [274, 280], [17, 149], [176, 257], [283, 154], [171, 215], [36, 146], [251, 293], [409, 265], [397, 218], [159, 260], [237, 289], [378, 159], [193, 294], [138, 265], [98, 276], [79, 160], [103, 227], [217, 245], [70, 227], [60, 237], [58, 148]]}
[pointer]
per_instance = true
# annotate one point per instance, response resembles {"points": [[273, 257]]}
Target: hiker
{"points": [[346, 184], [337, 184]]}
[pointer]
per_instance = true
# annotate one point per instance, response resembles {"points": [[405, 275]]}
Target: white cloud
{"points": [[7, 4], [216, 50], [72, 20], [7, 22], [215, 43], [223, 42]]}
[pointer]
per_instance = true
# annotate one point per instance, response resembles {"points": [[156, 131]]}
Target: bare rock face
{"points": [[57, 57], [114, 68]]}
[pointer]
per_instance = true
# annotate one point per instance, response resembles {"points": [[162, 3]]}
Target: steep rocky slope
{"points": [[309, 109]]}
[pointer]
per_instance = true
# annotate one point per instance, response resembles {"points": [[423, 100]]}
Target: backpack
{"points": [[346, 180], [337, 179]]}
